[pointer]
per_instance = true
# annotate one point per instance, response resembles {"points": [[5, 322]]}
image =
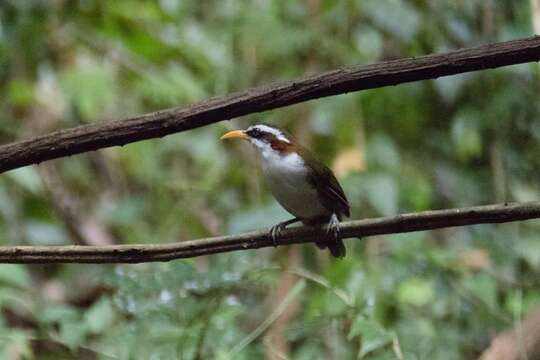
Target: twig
{"points": [[318, 279], [426, 220], [105, 134], [274, 315], [85, 229]]}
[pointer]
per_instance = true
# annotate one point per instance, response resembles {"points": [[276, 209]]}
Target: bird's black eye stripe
{"points": [[255, 133]]}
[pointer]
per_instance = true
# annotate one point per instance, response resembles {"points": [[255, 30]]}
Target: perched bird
{"points": [[304, 186]]}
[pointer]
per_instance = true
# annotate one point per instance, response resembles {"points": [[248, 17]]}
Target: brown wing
{"points": [[332, 196]]}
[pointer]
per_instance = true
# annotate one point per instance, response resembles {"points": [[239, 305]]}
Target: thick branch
{"points": [[95, 136], [387, 225]]}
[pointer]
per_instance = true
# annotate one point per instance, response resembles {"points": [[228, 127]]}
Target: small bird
{"points": [[304, 186]]}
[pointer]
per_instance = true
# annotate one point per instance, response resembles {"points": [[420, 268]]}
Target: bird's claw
{"points": [[275, 232], [332, 229]]}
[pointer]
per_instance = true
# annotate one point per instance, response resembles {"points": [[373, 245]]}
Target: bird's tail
{"points": [[336, 247]]}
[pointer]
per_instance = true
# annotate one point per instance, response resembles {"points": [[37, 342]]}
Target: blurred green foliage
{"points": [[456, 141]]}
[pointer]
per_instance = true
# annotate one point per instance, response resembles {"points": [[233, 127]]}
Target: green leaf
{"points": [[15, 344], [21, 93], [416, 291], [52, 314], [100, 316], [27, 178], [173, 86], [73, 333], [520, 304], [483, 287], [14, 275], [373, 335], [91, 88]]}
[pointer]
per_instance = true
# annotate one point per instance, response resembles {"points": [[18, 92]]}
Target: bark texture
{"points": [[426, 220], [157, 124]]}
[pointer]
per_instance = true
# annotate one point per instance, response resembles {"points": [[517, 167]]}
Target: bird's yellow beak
{"points": [[238, 134]]}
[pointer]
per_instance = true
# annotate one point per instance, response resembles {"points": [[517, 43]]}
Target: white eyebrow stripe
{"points": [[278, 134]]}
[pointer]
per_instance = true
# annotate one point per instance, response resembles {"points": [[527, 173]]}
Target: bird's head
{"points": [[265, 138]]}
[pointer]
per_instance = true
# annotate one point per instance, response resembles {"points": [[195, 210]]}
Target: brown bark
{"points": [[426, 220], [120, 132]]}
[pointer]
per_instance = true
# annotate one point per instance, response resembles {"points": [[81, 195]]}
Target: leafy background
{"points": [[457, 141]]}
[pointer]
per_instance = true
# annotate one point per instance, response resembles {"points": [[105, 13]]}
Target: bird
{"points": [[303, 185]]}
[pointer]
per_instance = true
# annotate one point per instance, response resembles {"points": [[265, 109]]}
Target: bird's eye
{"points": [[254, 133]]}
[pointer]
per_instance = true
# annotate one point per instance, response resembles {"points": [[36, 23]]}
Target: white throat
{"points": [[288, 179]]}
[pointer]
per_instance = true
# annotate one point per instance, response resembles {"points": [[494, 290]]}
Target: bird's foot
{"points": [[275, 231], [332, 229]]}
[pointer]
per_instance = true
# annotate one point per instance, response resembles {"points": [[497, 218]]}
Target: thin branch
{"points": [[105, 134], [274, 315], [426, 220]]}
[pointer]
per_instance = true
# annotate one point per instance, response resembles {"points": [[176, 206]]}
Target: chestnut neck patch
{"points": [[281, 146]]}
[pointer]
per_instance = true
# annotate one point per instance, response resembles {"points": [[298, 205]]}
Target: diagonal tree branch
{"points": [[96, 136], [426, 220]]}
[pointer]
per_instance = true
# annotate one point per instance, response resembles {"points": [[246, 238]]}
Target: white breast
{"points": [[287, 179]]}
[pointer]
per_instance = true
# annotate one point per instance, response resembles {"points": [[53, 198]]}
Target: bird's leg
{"points": [[333, 227], [276, 230]]}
